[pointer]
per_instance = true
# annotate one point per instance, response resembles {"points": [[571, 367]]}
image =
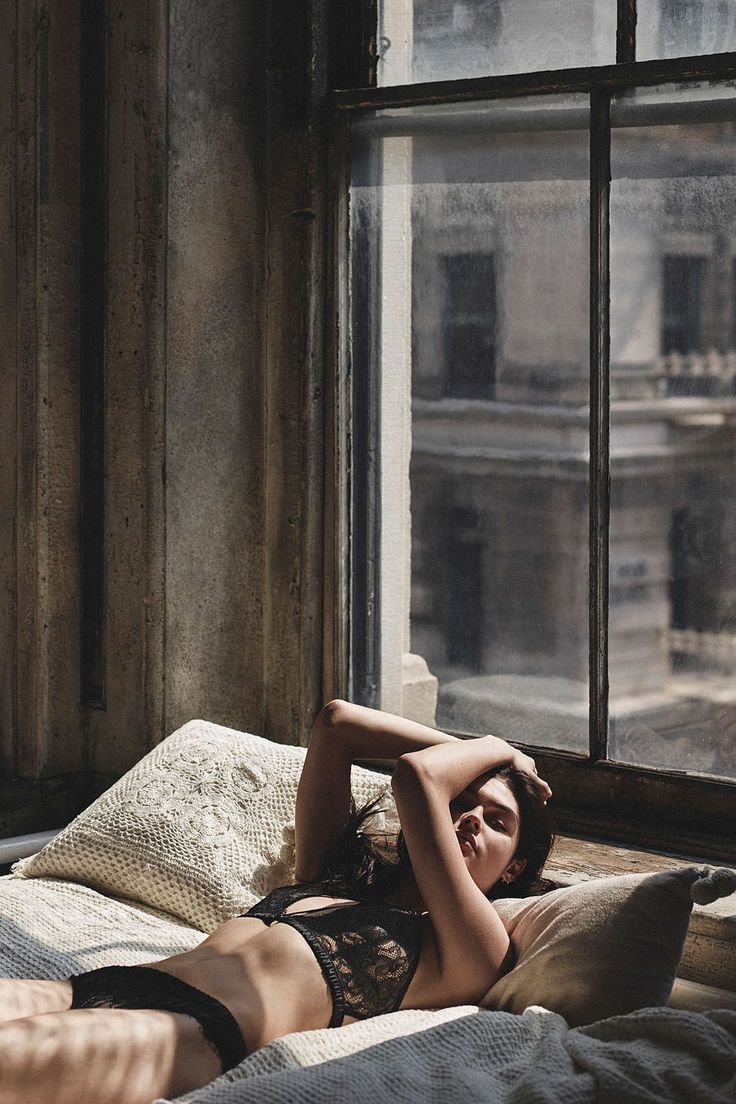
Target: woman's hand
{"points": [[527, 766], [505, 754]]}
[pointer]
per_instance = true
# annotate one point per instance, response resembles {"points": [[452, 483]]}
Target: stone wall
{"points": [[208, 573]]}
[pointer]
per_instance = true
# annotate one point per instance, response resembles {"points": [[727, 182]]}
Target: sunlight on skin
{"points": [[118, 1056], [30, 997]]}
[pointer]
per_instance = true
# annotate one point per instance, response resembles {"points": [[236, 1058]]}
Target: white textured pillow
{"points": [[202, 827], [602, 947]]}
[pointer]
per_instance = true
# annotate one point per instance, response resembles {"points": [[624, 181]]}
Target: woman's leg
{"points": [[30, 997], [119, 1056]]}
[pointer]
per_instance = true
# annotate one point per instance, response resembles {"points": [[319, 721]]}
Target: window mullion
{"points": [[600, 177], [365, 513], [626, 31]]}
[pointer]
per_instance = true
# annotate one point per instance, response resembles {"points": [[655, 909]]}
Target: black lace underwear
{"points": [[147, 987], [368, 951]]}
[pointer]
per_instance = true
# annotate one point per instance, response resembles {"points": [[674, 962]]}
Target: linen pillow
{"points": [[201, 827], [602, 947]]}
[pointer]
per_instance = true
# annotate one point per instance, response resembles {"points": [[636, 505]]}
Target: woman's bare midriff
{"points": [[270, 980]]}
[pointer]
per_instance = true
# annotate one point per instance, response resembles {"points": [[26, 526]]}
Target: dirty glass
{"points": [[425, 40], [469, 236], [672, 638], [681, 28]]}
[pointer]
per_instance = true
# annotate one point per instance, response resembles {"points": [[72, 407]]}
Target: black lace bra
{"points": [[368, 951]]}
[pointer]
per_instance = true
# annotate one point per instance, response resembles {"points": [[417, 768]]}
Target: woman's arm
{"points": [[341, 734], [454, 767], [472, 943]]}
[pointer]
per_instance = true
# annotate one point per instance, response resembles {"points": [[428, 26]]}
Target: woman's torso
{"points": [[269, 978]]}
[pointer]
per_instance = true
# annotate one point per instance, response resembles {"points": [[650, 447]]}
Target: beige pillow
{"points": [[603, 947], [202, 827]]}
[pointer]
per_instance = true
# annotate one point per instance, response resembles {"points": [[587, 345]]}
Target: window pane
{"points": [[680, 28], [673, 367], [425, 40], [470, 308]]}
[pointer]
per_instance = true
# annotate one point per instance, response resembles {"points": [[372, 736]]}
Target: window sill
{"points": [[709, 956]]}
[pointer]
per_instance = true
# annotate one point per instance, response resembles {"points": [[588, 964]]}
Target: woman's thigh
{"points": [[30, 997], [119, 1056]]}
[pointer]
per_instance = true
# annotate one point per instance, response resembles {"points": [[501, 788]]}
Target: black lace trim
{"points": [[328, 967], [368, 951]]}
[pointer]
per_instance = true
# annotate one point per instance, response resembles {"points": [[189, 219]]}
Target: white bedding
{"points": [[51, 928]]}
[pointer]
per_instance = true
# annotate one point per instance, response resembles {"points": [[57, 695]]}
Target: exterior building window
{"points": [[447, 31], [684, 28], [682, 291], [469, 326], [679, 575], [464, 617]]}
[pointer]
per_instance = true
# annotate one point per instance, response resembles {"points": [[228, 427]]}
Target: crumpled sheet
{"points": [[653, 1056]]}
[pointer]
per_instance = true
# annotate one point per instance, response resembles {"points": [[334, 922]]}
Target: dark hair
{"points": [[536, 834], [367, 862], [371, 864]]}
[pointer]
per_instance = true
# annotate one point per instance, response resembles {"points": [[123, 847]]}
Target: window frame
{"points": [[675, 811]]}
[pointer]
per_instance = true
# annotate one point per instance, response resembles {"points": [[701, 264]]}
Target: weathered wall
{"points": [[134, 389], [214, 402], [8, 162], [244, 436], [213, 440], [39, 412]]}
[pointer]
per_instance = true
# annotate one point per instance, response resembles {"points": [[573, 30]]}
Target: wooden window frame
{"points": [[678, 812]]}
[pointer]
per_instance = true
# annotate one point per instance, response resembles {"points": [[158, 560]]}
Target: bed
{"points": [[202, 827]]}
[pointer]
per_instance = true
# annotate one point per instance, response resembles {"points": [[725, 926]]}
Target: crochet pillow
{"points": [[202, 827], [602, 947]]}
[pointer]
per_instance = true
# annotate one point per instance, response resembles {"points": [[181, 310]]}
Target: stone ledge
{"points": [[693, 997]]}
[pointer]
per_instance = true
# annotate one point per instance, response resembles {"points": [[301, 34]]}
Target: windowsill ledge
{"points": [[709, 956]]}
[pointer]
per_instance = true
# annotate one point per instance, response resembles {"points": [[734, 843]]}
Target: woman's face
{"points": [[485, 817]]}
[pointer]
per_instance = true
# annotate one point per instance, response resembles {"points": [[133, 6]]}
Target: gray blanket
{"points": [[654, 1056]]}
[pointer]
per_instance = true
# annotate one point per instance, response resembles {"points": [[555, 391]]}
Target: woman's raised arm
{"points": [[472, 943], [341, 734]]}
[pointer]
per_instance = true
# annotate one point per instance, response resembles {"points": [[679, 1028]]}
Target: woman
{"points": [[364, 935]]}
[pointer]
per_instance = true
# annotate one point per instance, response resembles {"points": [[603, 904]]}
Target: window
{"points": [[449, 622], [540, 325], [469, 326], [682, 287]]}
